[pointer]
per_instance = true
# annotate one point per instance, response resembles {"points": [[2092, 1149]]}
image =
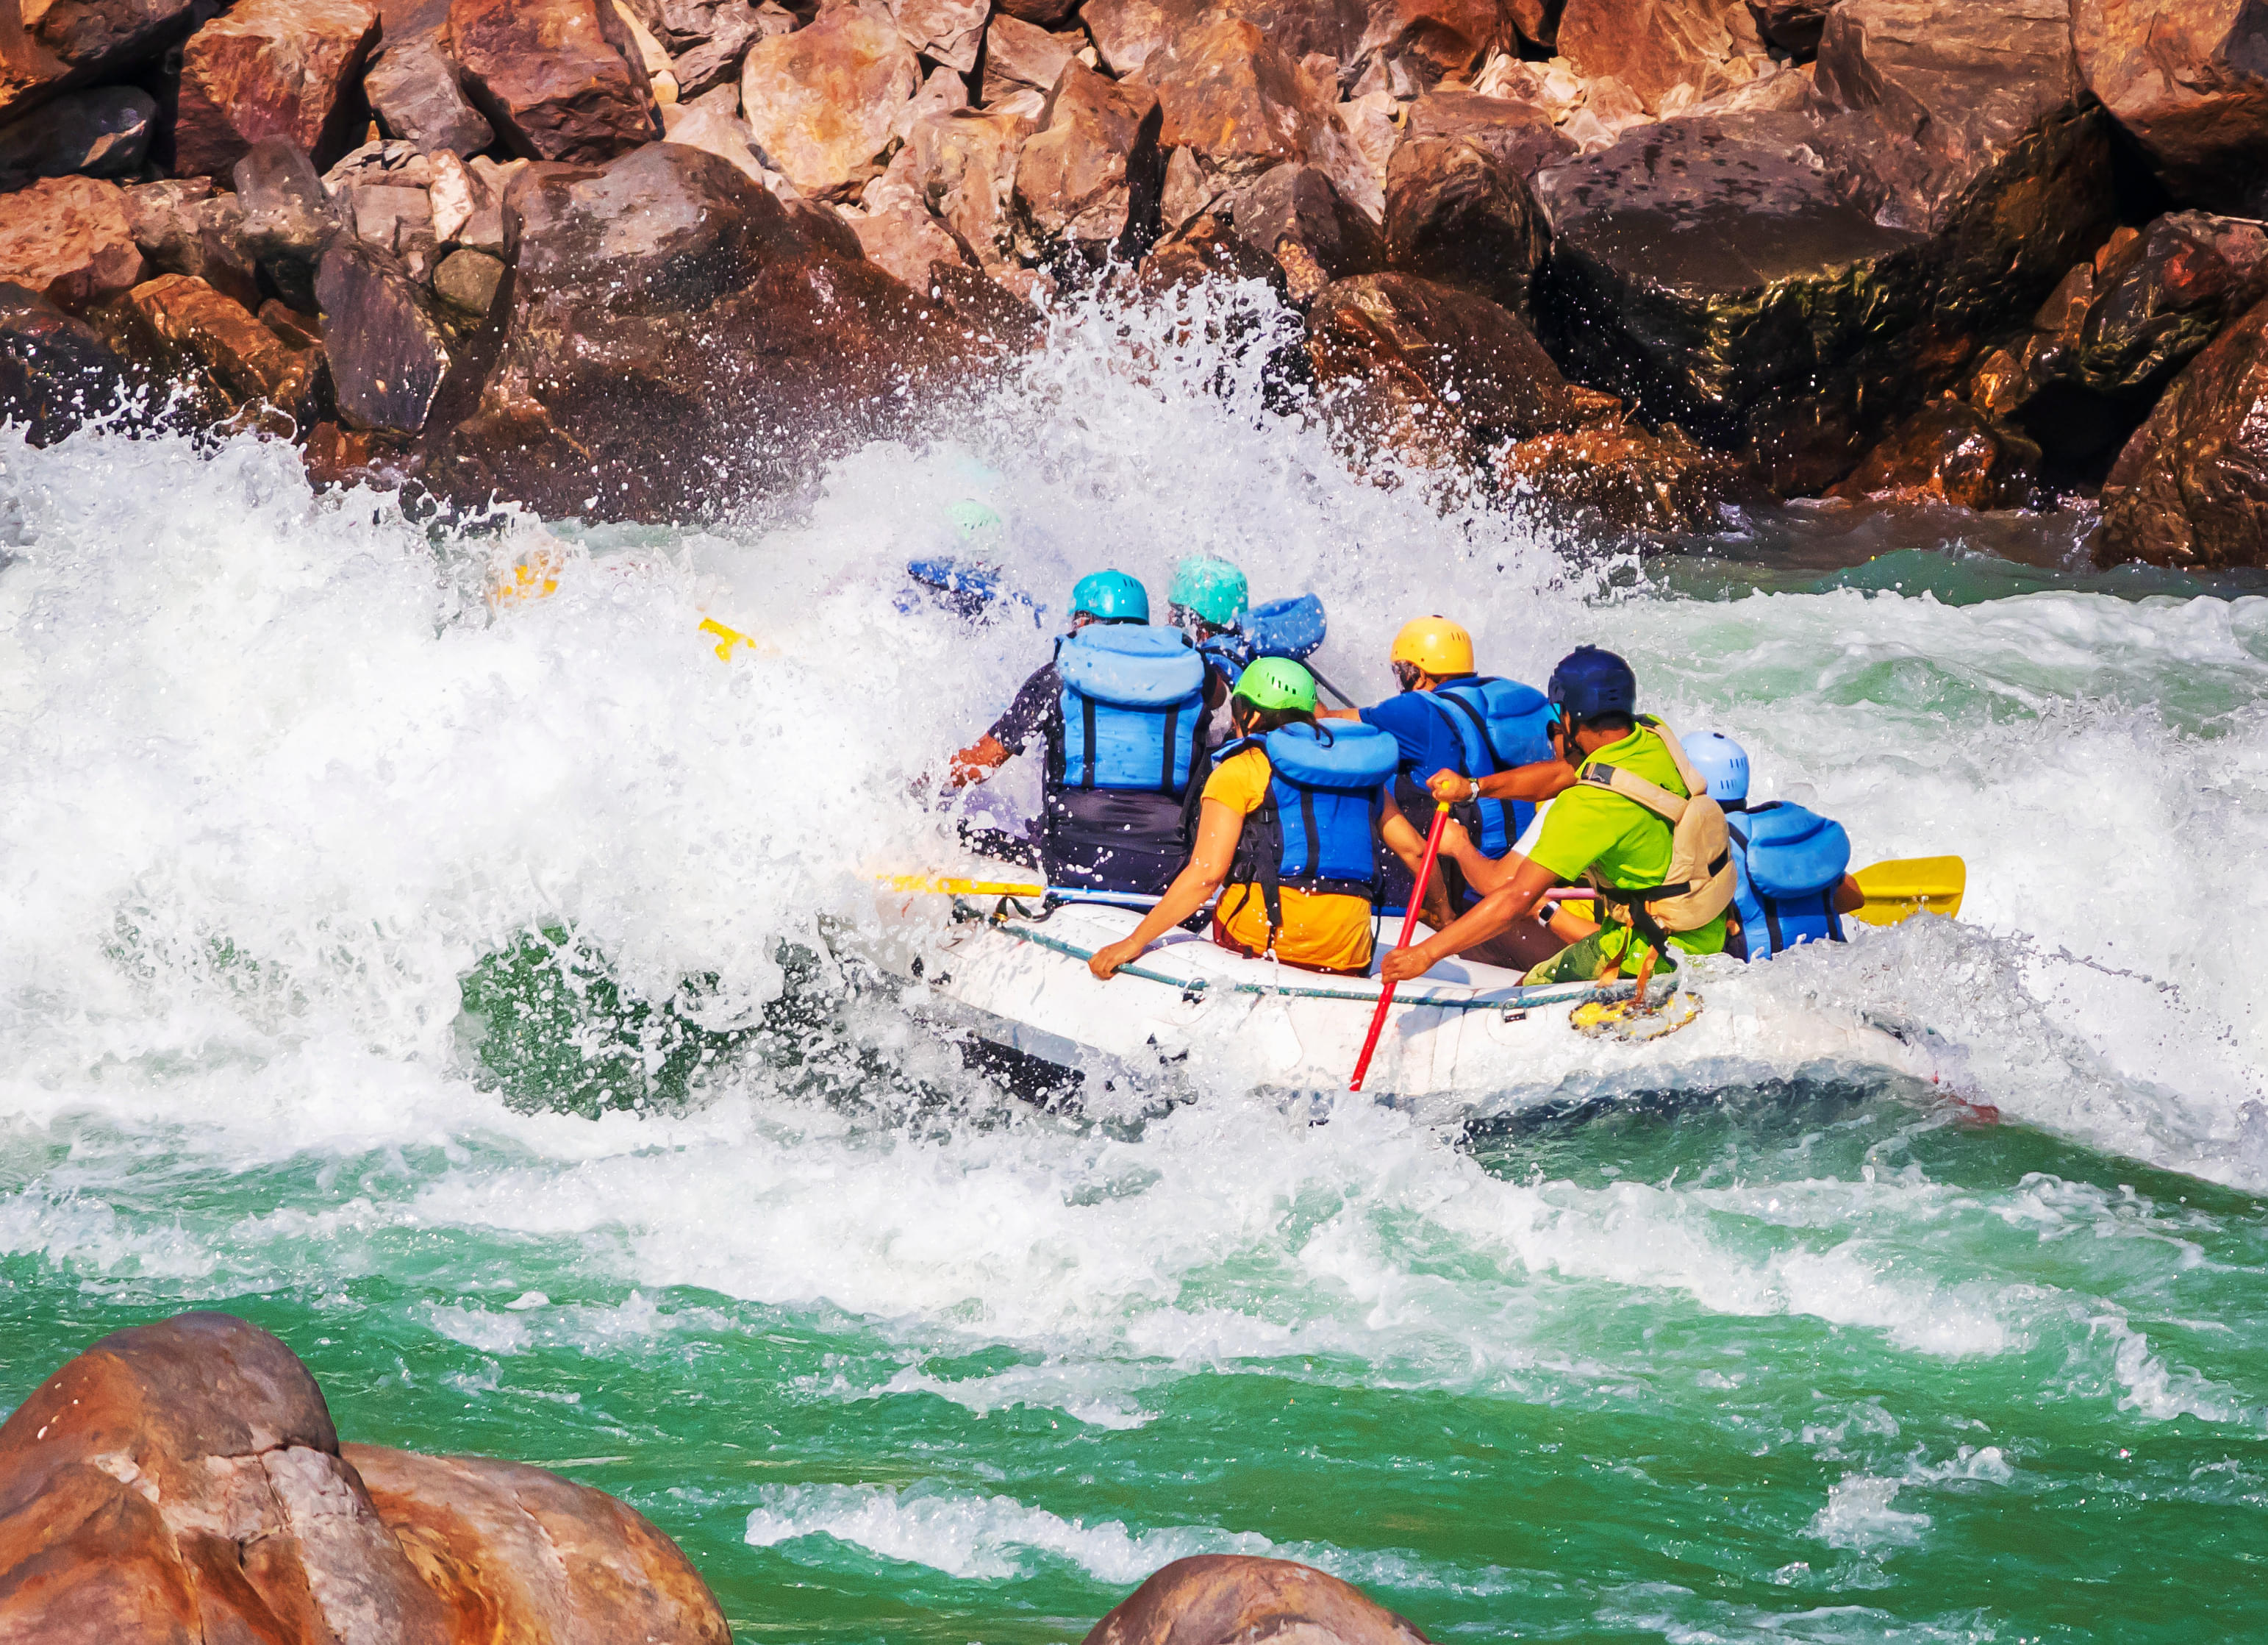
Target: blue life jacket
{"points": [[1787, 863], [1133, 709], [1318, 829], [1500, 724]]}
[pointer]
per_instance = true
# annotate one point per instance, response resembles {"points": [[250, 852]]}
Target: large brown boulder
{"points": [[69, 239], [2189, 80], [558, 79], [416, 91], [1454, 212], [515, 1553], [1625, 478], [1948, 452], [822, 101], [1706, 268], [962, 165], [1426, 40], [1521, 134], [2192, 487], [660, 309], [388, 349], [1434, 373], [1021, 57], [182, 1481], [288, 69], [1655, 46], [948, 30], [201, 336], [1088, 183], [56, 371], [1297, 215], [1970, 122], [183, 227], [1232, 96], [49, 49], [287, 217], [1227, 1599]]}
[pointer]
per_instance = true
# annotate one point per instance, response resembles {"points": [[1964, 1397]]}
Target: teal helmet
{"points": [[1113, 596], [1214, 590]]}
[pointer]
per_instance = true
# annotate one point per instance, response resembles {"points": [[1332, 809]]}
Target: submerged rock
{"points": [[1952, 453], [1227, 1599], [218, 338], [56, 371]]}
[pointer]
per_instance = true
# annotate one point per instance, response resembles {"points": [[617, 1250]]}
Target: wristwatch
{"points": [[1476, 794]]}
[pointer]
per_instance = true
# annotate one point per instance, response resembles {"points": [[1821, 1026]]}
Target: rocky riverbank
{"points": [[640, 259], [183, 1481]]}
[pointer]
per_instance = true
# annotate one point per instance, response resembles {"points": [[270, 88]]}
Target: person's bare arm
{"points": [[1218, 829], [978, 761], [1492, 914], [1545, 779], [1849, 899]]}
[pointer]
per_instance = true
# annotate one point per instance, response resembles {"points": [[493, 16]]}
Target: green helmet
{"points": [[972, 519], [1214, 589], [1278, 683], [1113, 596]]}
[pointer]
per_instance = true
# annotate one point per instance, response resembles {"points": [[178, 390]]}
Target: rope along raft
{"points": [[1519, 999]]}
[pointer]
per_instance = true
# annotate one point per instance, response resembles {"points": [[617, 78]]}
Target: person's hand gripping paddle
{"points": [[1409, 926]]}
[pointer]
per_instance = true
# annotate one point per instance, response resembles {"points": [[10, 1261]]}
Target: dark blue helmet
{"points": [[1590, 684]]}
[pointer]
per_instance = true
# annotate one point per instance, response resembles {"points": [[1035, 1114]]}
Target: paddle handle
{"points": [[1409, 925]]}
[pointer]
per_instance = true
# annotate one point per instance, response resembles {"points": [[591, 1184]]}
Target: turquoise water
{"points": [[898, 1357]]}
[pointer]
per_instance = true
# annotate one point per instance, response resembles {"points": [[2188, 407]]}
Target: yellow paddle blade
{"points": [[944, 886], [1898, 890], [729, 640]]}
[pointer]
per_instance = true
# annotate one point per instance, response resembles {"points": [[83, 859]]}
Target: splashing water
{"points": [[898, 1358]]}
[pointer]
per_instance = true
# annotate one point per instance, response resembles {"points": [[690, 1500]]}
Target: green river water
{"points": [[897, 1357]]}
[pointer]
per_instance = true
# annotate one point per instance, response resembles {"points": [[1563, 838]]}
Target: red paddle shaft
{"points": [[1409, 924]]}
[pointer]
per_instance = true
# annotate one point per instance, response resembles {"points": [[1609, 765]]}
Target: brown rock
{"points": [[100, 133], [182, 1481], [1224, 1599], [1626, 479], [558, 79], [1455, 213], [983, 305], [468, 280], [69, 239], [1794, 25], [964, 167], [1234, 99], [1295, 214], [1707, 269], [415, 91], [709, 124], [1433, 38], [905, 243], [1087, 182], [285, 68], [288, 217], [822, 99], [949, 31], [1046, 13], [1950, 453], [183, 227], [1125, 32], [658, 310], [199, 332], [388, 354], [1019, 55], [1521, 135], [1434, 373], [2190, 489], [1651, 46], [56, 373], [49, 49], [1968, 123], [2189, 80], [518, 1553]]}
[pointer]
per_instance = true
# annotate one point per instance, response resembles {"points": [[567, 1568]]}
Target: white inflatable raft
{"points": [[1014, 977]]}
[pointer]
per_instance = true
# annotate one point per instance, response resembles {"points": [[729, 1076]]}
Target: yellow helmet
{"points": [[1434, 644]]}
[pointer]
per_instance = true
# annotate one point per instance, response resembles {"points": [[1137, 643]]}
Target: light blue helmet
{"points": [[1113, 596], [1723, 763]]}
